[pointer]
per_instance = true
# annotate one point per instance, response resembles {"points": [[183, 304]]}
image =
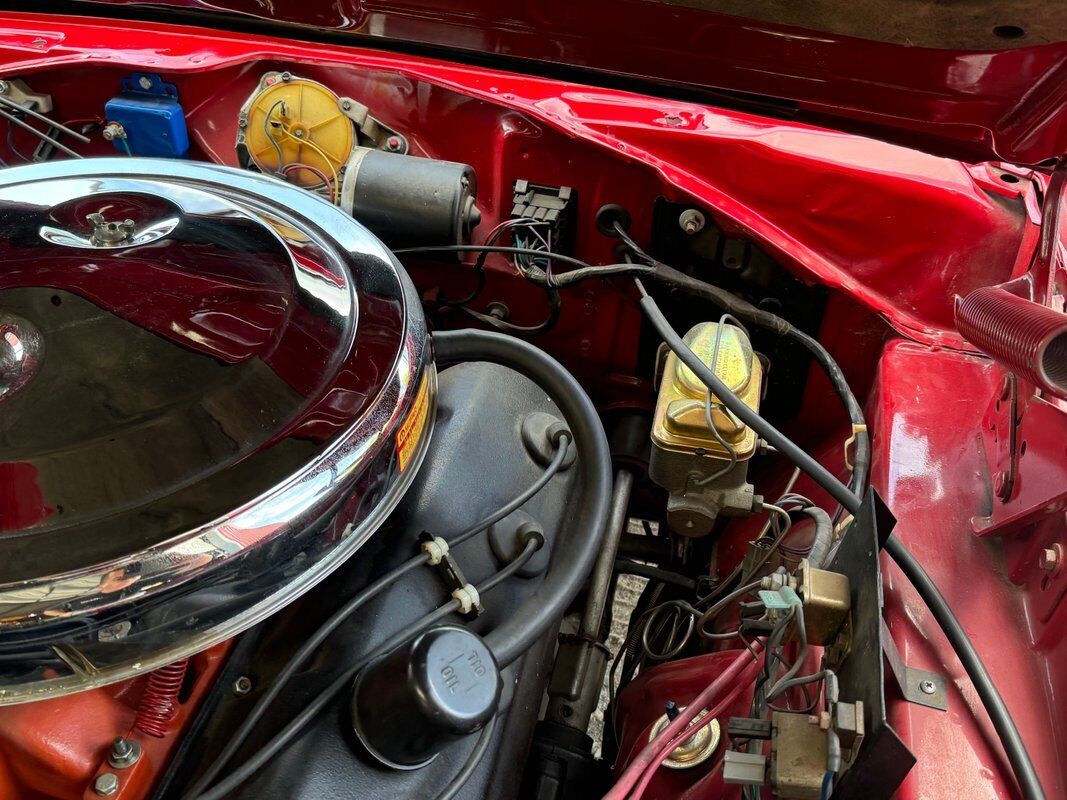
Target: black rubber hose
{"points": [[578, 548], [628, 567], [861, 456], [727, 301], [743, 412], [1018, 757], [744, 310]]}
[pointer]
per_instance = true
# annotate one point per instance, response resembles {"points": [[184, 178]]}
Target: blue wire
{"points": [[825, 795]]}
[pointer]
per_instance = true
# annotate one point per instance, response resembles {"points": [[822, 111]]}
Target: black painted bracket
{"points": [[883, 760]]}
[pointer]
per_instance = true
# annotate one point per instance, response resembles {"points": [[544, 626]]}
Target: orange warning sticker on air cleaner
{"points": [[407, 438]]}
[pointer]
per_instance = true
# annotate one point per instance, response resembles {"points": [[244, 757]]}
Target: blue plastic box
{"points": [[149, 111]]}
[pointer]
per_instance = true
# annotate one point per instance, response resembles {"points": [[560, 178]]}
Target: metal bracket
{"points": [[1000, 429], [372, 132], [882, 761], [453, 575], [917, 685]]}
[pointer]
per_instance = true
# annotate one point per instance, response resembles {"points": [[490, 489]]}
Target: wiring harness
{"points": [[667, 623]]}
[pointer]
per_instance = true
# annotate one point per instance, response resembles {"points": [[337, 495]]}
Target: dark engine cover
{"points": [[476, 462]]}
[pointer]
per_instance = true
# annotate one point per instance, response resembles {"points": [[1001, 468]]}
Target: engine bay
{"points": [[373, 425]]}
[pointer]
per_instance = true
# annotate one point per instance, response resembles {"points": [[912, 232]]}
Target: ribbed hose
{"points": [[1027, 338]]}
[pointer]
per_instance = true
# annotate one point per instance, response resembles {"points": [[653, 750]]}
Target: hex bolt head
{"points": [[242, 686], [691, 221], [144, 82], [927, 687], [1050, 559], [124, 753], [106, 785]]}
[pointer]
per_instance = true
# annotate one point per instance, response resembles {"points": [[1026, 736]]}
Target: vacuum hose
{"points": [[574, 558]]}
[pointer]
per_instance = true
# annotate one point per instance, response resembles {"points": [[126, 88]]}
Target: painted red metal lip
{"points": [[1009, 104], [939, 227]]}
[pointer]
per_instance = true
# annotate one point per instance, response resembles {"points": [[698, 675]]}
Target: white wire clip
{"points": [[468, 598], [437, 549], [856, 429]]}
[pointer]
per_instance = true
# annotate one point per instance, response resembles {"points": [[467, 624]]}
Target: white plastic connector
{"points": [[437, 549], [468, 598]]}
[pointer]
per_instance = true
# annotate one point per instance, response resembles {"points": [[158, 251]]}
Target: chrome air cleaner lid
{"points": [[213, 387]]}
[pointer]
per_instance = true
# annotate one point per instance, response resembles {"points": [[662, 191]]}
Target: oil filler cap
{"points": [[436, 689]]}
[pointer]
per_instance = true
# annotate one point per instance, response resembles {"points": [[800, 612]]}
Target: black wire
{"points": [[249, 768], [765, 319], [1008, 733], [809, 703], [471, 764], [270, 136], [1009, 736], [479, 266], [39, 116], [295, 662], [720, 605], [44, 137], [534, 274], [11, 144], [741, 410], [562, 444], [323, 632], [485, 248], [510, 327], [670, 276]]}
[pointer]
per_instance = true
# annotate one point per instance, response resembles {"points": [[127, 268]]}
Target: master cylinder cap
{"points": [[440, 687], [204, 409]]}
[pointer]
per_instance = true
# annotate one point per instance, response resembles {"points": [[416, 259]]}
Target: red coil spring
{"points": [[1027, 338], [160, 701]]}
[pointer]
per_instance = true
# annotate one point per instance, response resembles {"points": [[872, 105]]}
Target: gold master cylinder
{"points": [[700, 451]]}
